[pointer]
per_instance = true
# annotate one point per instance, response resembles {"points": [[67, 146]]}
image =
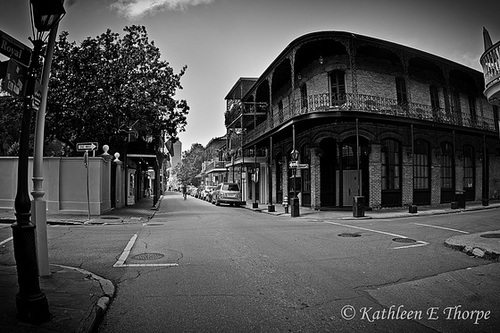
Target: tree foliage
{"points": [[112, 89], [190, 165]]}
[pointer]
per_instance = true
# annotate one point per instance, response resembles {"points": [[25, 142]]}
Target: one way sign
{"points": [[86, 146]]}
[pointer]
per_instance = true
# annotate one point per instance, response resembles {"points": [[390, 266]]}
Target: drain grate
{"points": [[404, 240], [348, 234], [148, 256], [491, 236]]}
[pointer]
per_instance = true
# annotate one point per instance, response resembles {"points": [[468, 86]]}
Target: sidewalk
{"points": [[78, 298]]}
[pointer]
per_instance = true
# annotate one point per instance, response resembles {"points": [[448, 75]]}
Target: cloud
{"points": [[134, 9]]}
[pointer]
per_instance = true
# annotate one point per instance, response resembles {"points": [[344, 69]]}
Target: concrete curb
{"points": [[91, 322], [473, 245]]}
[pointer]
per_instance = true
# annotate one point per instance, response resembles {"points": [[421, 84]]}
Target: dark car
{"points": [[228, 193]]}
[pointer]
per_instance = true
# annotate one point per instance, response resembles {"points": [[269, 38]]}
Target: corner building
{"points": [[368, 117]]}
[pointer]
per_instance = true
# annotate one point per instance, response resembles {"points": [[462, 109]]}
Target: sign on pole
{"points": [[86, 146], [14, 49], [14, 81]]}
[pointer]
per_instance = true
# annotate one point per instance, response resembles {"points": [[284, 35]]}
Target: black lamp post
{"points": [[295, 201], [31, 303]]}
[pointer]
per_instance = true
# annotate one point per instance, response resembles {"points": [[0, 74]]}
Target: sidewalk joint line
{"points": [[439, 227]]}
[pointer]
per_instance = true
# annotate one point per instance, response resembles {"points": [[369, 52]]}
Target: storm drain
{"points": [[348, 234], [109, 217], [404, 240], [148, 256], [491, 236]]}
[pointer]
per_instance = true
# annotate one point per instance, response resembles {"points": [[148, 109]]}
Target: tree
{"points": [[113, 90], [11, 111], [190, 165]]}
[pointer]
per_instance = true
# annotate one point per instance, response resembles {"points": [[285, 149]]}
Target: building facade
{"points": [[365, 117]]}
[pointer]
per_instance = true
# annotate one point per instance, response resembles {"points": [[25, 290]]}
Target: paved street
{"points": [[198, 267]]}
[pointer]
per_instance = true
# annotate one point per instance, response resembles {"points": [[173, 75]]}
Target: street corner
{"points": [[484, 245]]}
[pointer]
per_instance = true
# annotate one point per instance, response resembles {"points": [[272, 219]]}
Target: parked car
{"points": [[207, 192], [228, 193]]}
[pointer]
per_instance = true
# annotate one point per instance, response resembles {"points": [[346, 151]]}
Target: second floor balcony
{"points": [[490, 61], [371, 104]]}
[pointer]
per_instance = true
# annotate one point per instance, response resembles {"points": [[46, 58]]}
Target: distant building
{"points": [[213, 169], [365, 117]]}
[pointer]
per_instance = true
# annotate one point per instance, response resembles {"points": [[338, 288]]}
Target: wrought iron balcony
{"points": [[214, 165], [237, 109], [490, 61], [372, 104]]}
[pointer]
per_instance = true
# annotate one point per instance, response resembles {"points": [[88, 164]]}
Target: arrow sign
{"points": [[14, 49], [86, 146]]}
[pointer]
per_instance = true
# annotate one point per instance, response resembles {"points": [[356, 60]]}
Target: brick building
{"points": [[367, 117]]}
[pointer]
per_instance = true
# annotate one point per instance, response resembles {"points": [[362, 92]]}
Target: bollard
{"points": [[285, 204], [358, 206], [295, 207]]}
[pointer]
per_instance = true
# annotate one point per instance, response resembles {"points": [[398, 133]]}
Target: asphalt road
{"points": [[196, 267]]}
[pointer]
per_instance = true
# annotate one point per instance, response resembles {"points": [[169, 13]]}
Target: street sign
{"points": [[297, 165], [86, 146], [14, 81], [37, 96], [14, 49]]}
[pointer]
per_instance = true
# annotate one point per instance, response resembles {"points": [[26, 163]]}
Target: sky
{"points": [[223, 40]]}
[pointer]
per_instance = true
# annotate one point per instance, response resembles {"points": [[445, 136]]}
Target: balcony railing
{"points": [[214, 165], [370, 104], [247, 108], [490, 61]]}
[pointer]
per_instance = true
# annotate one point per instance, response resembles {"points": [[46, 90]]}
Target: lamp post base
{"points": [[32, 305], [33, 308]]}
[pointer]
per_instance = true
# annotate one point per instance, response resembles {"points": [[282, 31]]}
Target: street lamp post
{"points": [[31, 302]]}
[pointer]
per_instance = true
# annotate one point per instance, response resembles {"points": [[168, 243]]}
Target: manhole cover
{"points": [[404, 240], [347, 234], [491, 236], [148, 256]]}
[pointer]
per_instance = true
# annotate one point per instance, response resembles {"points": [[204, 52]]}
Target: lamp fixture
{"points": [[47, 13]]}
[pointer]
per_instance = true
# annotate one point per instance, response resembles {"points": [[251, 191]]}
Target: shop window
{"points": [[306, 173], [421, 165], [391, 165], [469, 166], [447, 166]]}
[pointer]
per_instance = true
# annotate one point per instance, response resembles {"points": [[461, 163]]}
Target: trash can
{"points": [[460, 199], [358, 206], [295, 208]]}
